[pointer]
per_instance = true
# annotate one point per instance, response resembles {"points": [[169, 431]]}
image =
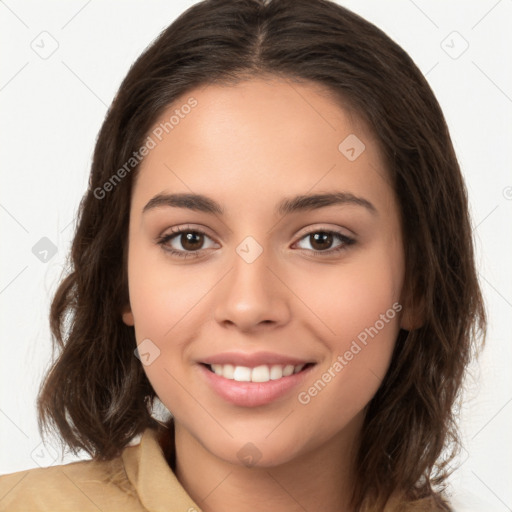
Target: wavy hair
{"points": [[96, 394]]}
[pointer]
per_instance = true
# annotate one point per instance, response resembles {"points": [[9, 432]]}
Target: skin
{"points": [[247, 147]]}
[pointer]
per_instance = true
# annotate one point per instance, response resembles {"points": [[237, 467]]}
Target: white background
{"points": [[52, 109]]}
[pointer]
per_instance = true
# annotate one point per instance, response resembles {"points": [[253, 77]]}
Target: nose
{"points": [[252, 296]]}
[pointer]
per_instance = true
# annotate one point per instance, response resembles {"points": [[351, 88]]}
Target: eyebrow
{"points": [[307, 202]]}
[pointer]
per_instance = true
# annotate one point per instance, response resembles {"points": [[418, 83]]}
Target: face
{"points": [[264, 316]]}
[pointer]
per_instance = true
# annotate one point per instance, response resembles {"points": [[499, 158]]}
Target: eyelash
{"points": [[163, 240]]}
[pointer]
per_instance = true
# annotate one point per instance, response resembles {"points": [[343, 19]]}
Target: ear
{"points": [[128, 316]]}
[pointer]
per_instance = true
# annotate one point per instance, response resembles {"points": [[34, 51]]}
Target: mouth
{"points": [[246, 386]]}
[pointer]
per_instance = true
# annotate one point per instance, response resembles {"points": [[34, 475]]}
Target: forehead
{"points": [[260, 136]]}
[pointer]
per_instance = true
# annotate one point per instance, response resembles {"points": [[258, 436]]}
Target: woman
{"points": [[276, 220]]}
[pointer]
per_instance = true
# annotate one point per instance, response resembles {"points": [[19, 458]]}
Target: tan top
{"points": [[140, 479]]}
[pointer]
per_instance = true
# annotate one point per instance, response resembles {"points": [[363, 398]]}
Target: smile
{"points": [[252, 387]]}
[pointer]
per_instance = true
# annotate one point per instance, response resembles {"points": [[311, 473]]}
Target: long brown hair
{"points": [[96, 394]]}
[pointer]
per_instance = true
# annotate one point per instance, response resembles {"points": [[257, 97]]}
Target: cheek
{"points": [[360, 312], [166, 304], [162, 295], [160, 306]]}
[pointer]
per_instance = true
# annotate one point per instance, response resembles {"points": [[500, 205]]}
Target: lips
{"points": [[251, 380]]}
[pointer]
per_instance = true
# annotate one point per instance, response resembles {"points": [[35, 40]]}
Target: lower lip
{"points": [[252, 394]]}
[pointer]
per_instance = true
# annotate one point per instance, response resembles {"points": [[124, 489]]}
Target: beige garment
{"points": [[138, 480]]}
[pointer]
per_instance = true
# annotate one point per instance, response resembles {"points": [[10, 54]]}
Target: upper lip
{"points": [[252, 360]]}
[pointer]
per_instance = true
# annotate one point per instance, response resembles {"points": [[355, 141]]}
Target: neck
{"points": [[318, 479]]}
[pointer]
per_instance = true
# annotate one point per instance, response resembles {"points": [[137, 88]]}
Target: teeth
{"points": [[287, 370], [262, 373], [242, 374], [228, 371], [276, 372]]}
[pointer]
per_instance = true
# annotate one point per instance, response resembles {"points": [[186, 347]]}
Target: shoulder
{"points": [[84, 485]]}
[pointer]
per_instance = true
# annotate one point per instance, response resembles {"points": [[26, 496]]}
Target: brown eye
{"points": [[321, 240], [191, 241]]}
